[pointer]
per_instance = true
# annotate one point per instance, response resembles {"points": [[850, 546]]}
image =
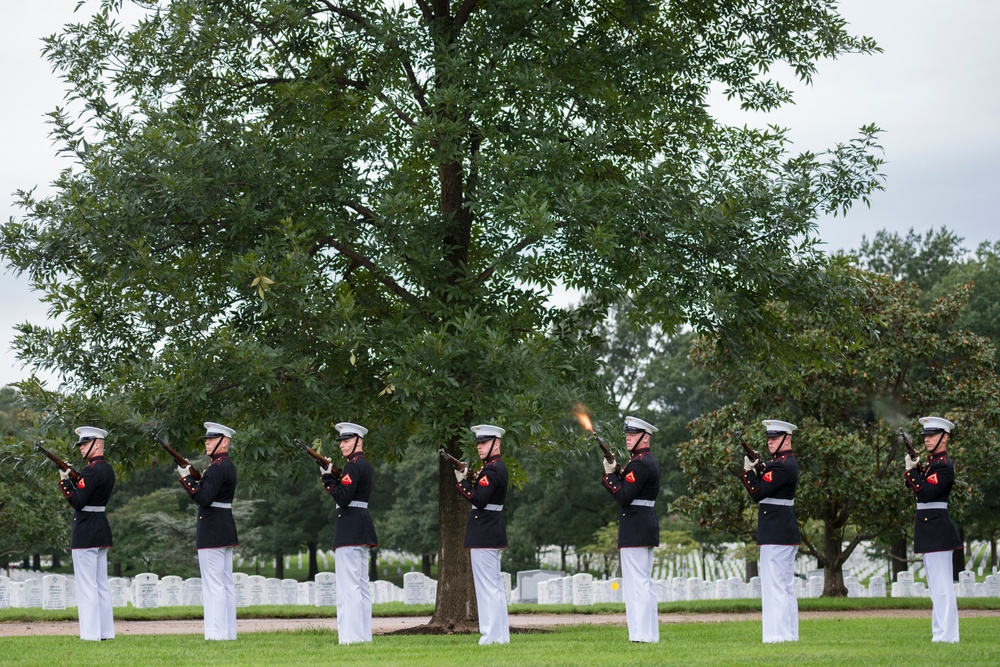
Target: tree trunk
{"points": [[425, 564], [751, 571], [373, 565], [55, 562], [36, 562], [897, 558], [833, 565], [455, 608], [279, 565], [562, 557], [313, 562]]}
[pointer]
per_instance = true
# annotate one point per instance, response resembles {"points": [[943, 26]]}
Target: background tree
{"points": [[275, 208], [848, 395]]}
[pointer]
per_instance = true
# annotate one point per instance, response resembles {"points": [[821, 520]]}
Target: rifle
{"points": [[320, 459], [608, 456], [459, 465], [754, 456], [912, 451], [180, 460], [62, 465], [585, 422]]}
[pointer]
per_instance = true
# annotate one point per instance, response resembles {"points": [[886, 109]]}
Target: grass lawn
{"points": [[848, 641]]}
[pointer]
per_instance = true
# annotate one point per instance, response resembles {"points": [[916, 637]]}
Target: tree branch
{"points": [[353, 254], [462, 15], [513, 250]]}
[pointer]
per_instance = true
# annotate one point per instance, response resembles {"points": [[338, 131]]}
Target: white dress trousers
{"points": [[218, 594], [491, 596], [93, 597], [639, 593], [944, 606], [777, 591], [354, 600]]}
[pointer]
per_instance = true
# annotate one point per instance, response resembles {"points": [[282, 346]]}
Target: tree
{"points": [[276, 208], [849, 395]]}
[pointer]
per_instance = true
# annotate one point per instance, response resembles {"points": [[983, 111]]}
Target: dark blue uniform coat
{"points": [[933, 530], [216, 527], [637, 524], [776, 524], [354, 526], [485, 529], [90, 529]]}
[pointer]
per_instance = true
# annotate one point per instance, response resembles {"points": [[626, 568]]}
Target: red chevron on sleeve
{"points": [[931, 479], [346, 479], [768, 476]]}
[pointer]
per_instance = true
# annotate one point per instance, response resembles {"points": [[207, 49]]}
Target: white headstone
{"points": [[722, 589], [191, 592], [272, 591], [171, 591], [70, 587], [800, 588], [663, 591], [583, 585], [240, 588], [146, 591], [17, 594], [980, 589], [876, 587], [414, 588], [737, 589], [506, 585], [33, 593], [815, 587], [326, 589], [289, 591], [992, 586], [966, 584], [118, 587], [255, 590], [433, 590], [385, 590], [853, 587], [4, 592], [53, 591], [695, 588], [567, 591], [554, 590], [542, 592], [307, 593], [679, 588], [755, 587], [527, 582]]}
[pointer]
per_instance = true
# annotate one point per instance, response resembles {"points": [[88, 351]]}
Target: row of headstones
{"points": [[965, 587], [147, 591]]}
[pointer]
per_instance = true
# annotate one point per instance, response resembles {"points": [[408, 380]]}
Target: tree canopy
{"points": [[283, 214]]}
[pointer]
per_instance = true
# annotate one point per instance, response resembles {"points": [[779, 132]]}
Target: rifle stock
{"points": [[911, 450], [608, 456], [178, 459], [459, 465], [752, 453], [62, 465], [320, 459]]}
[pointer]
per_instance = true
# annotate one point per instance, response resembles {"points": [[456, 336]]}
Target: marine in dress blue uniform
{"points": [[353, 535], [777, 531], [934, 534], [486, 533], [91, 537], [638, 529], [216, 533]]}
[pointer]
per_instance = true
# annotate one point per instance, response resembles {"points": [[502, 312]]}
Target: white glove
{"points": [[749, 465], [183, 471], [609, 467], [911, 463], [460, 474], [63, 474], [328, 470]]}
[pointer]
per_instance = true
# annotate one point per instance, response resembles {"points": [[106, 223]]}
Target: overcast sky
{"points": [[934, 92]]}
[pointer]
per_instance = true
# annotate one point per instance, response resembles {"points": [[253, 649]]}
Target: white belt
{"points": [[494, 508], [225, 506], [92, 508], [777, 501], [932, 506], [358, 503], [644, 503]]}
